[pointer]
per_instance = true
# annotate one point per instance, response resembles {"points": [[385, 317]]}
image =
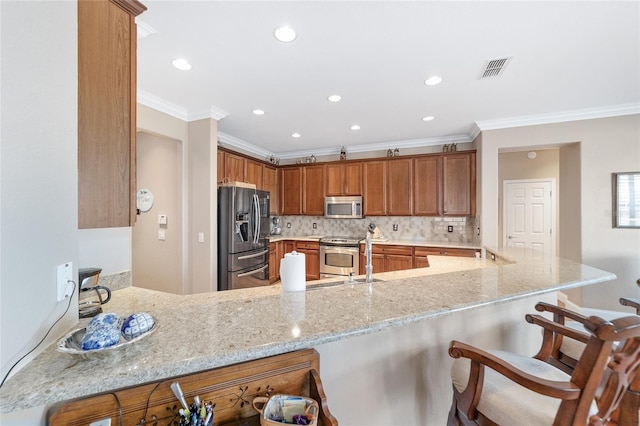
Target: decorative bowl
{"points": [[72, 342]]}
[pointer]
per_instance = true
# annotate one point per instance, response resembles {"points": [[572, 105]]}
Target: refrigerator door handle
{"points": [[256, 223], [251, 256], [253, 272]]}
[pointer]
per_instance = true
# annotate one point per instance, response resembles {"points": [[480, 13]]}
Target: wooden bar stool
{"points": [[518, 390]]}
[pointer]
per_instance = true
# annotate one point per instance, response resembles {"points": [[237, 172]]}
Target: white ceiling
{"points": [[570, 60]]}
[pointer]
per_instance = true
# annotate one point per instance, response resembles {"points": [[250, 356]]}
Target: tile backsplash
{"points": [[417, 228]]}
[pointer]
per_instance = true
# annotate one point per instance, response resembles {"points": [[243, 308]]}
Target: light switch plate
{"points": [[64, 275]]}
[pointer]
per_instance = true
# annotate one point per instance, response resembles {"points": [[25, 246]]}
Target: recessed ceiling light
{"points": [[428, 118], [181, 64], [355, 127], [295, 135], [258, 112], [285, 34], [335, 98], [433, 80]]}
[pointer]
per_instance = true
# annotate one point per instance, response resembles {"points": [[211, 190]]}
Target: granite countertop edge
{"points": [[261, 326], [390, 241]]}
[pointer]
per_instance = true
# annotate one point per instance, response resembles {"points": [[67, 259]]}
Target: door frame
{"points": [[553, 213]]}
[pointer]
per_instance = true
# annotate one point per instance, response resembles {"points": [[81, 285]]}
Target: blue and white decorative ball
{"points": [[136, 325], [100, 337], [104, 319]]}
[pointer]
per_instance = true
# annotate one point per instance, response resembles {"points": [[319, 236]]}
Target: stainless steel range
{"points": [[339, 256]]}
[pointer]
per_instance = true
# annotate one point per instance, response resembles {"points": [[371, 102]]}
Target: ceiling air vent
{"points": [[495, 67]]}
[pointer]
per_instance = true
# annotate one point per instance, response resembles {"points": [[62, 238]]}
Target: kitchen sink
{"points": [[338, 283]]}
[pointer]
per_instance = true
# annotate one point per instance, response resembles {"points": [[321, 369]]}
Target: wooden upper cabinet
{"points": [[459, 184], [343, 179], [291, 191], [374, 188], [399, 187], [253, 173], [270, 183], [220, 166], [427, 186], [353, 179], [234, 167], [335, 180], [313, 190], [107, 113]]}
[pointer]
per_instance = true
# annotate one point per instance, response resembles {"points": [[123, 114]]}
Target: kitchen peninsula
{"points": [[383, 347]]}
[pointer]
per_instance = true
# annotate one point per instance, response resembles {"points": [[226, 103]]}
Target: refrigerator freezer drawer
{"points": [[252, 277], [248, 259]]}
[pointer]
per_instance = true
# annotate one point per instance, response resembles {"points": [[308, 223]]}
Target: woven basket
{"points": [[272, 407]]}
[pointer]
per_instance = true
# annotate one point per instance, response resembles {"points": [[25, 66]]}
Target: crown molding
{"points": [[143, 29], [152, 101], [213, 112], [559, 117], [218, 114], [228, 140], [412, 143]]}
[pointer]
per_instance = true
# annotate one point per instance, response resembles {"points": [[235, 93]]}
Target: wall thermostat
{"points": [[144, 200]]}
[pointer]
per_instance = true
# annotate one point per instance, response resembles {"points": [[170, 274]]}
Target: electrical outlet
{"points": [[288, 224], [395, 226], [450, 228], [64, 275], [315, 225]]}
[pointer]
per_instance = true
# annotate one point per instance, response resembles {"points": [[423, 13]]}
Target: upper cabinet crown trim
{"points": [[132, 7]]}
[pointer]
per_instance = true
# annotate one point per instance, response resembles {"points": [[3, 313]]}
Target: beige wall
{"points": [[516, 165], [606, 146], [38, 171], [203, 205], [199, 201], [157, 264]]}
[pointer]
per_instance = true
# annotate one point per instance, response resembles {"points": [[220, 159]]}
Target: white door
{"points": [[529, 215]]}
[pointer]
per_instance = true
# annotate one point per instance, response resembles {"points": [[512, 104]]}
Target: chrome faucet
{"points": [[367, 252]]}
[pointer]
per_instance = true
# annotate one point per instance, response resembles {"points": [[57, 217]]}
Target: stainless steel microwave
{"points": [[343, 207]]}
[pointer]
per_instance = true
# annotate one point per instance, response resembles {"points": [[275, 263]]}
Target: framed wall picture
{"points": [[626, 200]]}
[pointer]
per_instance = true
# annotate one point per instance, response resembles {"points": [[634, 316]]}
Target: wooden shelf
{"points": [[231, 389]]}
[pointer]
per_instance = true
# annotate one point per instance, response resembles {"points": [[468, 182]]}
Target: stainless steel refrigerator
{"points": [[243, 228]]}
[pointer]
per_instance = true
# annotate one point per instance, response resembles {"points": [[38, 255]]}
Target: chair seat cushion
{"points": [[574, 348], [507, 403]]}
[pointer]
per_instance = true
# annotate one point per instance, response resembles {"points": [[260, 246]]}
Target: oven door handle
{"points": [[253, 272], [339, 250], [251, 256]]}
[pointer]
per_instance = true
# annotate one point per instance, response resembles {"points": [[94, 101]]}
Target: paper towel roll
{"points": [[292, 272]]}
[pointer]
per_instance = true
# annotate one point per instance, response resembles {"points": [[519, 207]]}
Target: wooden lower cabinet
{"points": [[231, 389], [311, 250], [420, 254], [288, 247], [274, 263], [276, 253], [387, 258]]}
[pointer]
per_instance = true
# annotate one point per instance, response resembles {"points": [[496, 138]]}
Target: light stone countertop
{"points": [[400, 242], [204, 331]]}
